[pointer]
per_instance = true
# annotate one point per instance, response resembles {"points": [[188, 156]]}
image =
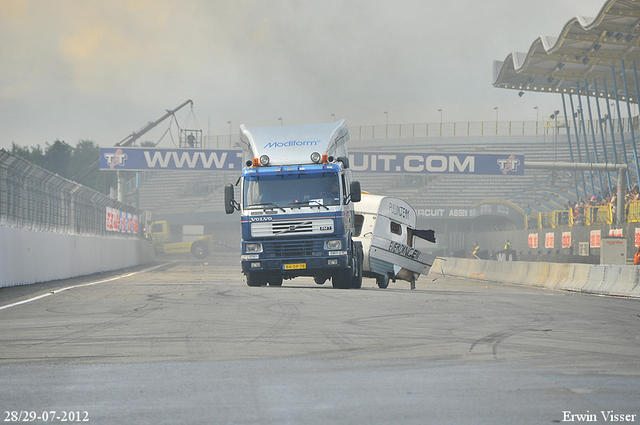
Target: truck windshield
{"points": [[279, 192]]}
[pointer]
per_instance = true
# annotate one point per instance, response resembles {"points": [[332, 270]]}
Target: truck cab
{"points": [[296, 205]]}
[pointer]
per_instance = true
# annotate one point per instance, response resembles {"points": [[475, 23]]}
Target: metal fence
{"points": [[544, 126], [593, 215], [36, 199]]}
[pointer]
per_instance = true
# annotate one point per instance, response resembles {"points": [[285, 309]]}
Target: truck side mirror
{"points": [[356, 192], [230, 204], [344, 160]]}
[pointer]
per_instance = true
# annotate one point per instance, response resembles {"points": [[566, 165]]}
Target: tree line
{"points": [[67, 161]]}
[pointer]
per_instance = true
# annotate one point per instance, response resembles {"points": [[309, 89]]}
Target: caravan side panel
{"points": [[401, 255]]}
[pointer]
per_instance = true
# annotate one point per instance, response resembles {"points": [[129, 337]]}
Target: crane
{"points": [[128, 141]]}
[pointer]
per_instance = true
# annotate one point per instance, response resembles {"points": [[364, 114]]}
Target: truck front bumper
{"points": [[296, 266]]}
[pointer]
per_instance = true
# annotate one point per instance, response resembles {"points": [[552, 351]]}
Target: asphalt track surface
{"points": [[189, 342]]}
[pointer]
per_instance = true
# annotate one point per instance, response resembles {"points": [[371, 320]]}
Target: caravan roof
{"points": [[394, 208], [293, 144]]}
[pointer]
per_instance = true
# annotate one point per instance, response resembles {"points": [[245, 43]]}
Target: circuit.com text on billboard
{"points": [[437, 163]]}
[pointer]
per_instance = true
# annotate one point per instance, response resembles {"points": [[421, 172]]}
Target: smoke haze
{"points": [[89, 69]]}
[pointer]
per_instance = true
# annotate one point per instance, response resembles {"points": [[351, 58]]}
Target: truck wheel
{"points": [[256, 279], [320, 280], [383, 281], [341, 279], [200, 250], [356, 279], [275, 280]]}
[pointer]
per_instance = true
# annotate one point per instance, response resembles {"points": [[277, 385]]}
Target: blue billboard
{"points": [[432, 163], [140, 159]]}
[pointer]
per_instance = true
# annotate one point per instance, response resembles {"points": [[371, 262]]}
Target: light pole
{"points": [[334, 117], [440, 110], [536, 108], [229, 122], [386, 129], [555, 131], [280, 119], [496, 108]]}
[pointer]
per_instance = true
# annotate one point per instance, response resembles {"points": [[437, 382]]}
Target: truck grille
{"points": [[291, 227], [276, 249]]}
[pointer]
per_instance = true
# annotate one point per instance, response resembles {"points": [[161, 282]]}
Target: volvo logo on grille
{"points": [[261, 218]]}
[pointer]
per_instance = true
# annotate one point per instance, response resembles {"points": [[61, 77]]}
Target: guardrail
{"points": [[593, 215], [598, 215], [562, 218], [33, 198], [633, 215], [617, 280]]}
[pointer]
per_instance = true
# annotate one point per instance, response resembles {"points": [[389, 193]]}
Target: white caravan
{"points": [[387, 227]]}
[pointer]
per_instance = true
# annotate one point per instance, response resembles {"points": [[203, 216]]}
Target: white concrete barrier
{"points": [[621, 280], [28, 256]]}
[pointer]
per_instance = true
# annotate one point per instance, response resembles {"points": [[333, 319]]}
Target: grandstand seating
{"points": [[189, 191]]}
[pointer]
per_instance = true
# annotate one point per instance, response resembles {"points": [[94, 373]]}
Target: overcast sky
{"points": [[99, 70]]}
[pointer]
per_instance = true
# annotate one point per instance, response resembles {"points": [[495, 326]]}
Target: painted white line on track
{"points": [[57, 291]]}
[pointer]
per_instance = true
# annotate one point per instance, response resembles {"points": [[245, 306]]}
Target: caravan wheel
{"points": [[383, 281]]}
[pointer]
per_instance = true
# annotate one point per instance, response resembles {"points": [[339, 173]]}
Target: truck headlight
{"points": [[333, 244], [253, 247]]}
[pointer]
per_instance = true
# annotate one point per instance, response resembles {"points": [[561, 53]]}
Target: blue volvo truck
{"points": [[295, 198]]}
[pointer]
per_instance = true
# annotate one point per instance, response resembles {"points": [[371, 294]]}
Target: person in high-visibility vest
{"points": [[476, 249], [636, 258], [507, 246]]}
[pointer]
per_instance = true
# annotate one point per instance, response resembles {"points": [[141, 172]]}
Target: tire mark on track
{"points": [[496, 338], [98, 327], [341, 341], [289, 314]]}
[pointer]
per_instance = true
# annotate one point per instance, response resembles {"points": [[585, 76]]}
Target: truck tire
{"points": [[256, 279], [200, 250], [320, 280], [341, 279], [358, 258]]}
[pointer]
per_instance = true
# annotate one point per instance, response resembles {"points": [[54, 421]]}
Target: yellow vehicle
{"points": [[164, 243]]}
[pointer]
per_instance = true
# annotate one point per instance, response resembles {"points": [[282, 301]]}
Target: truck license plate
{"points": [[294, 266]]}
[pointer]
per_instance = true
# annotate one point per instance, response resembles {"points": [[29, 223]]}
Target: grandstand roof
{"points": [[585, 48]]}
